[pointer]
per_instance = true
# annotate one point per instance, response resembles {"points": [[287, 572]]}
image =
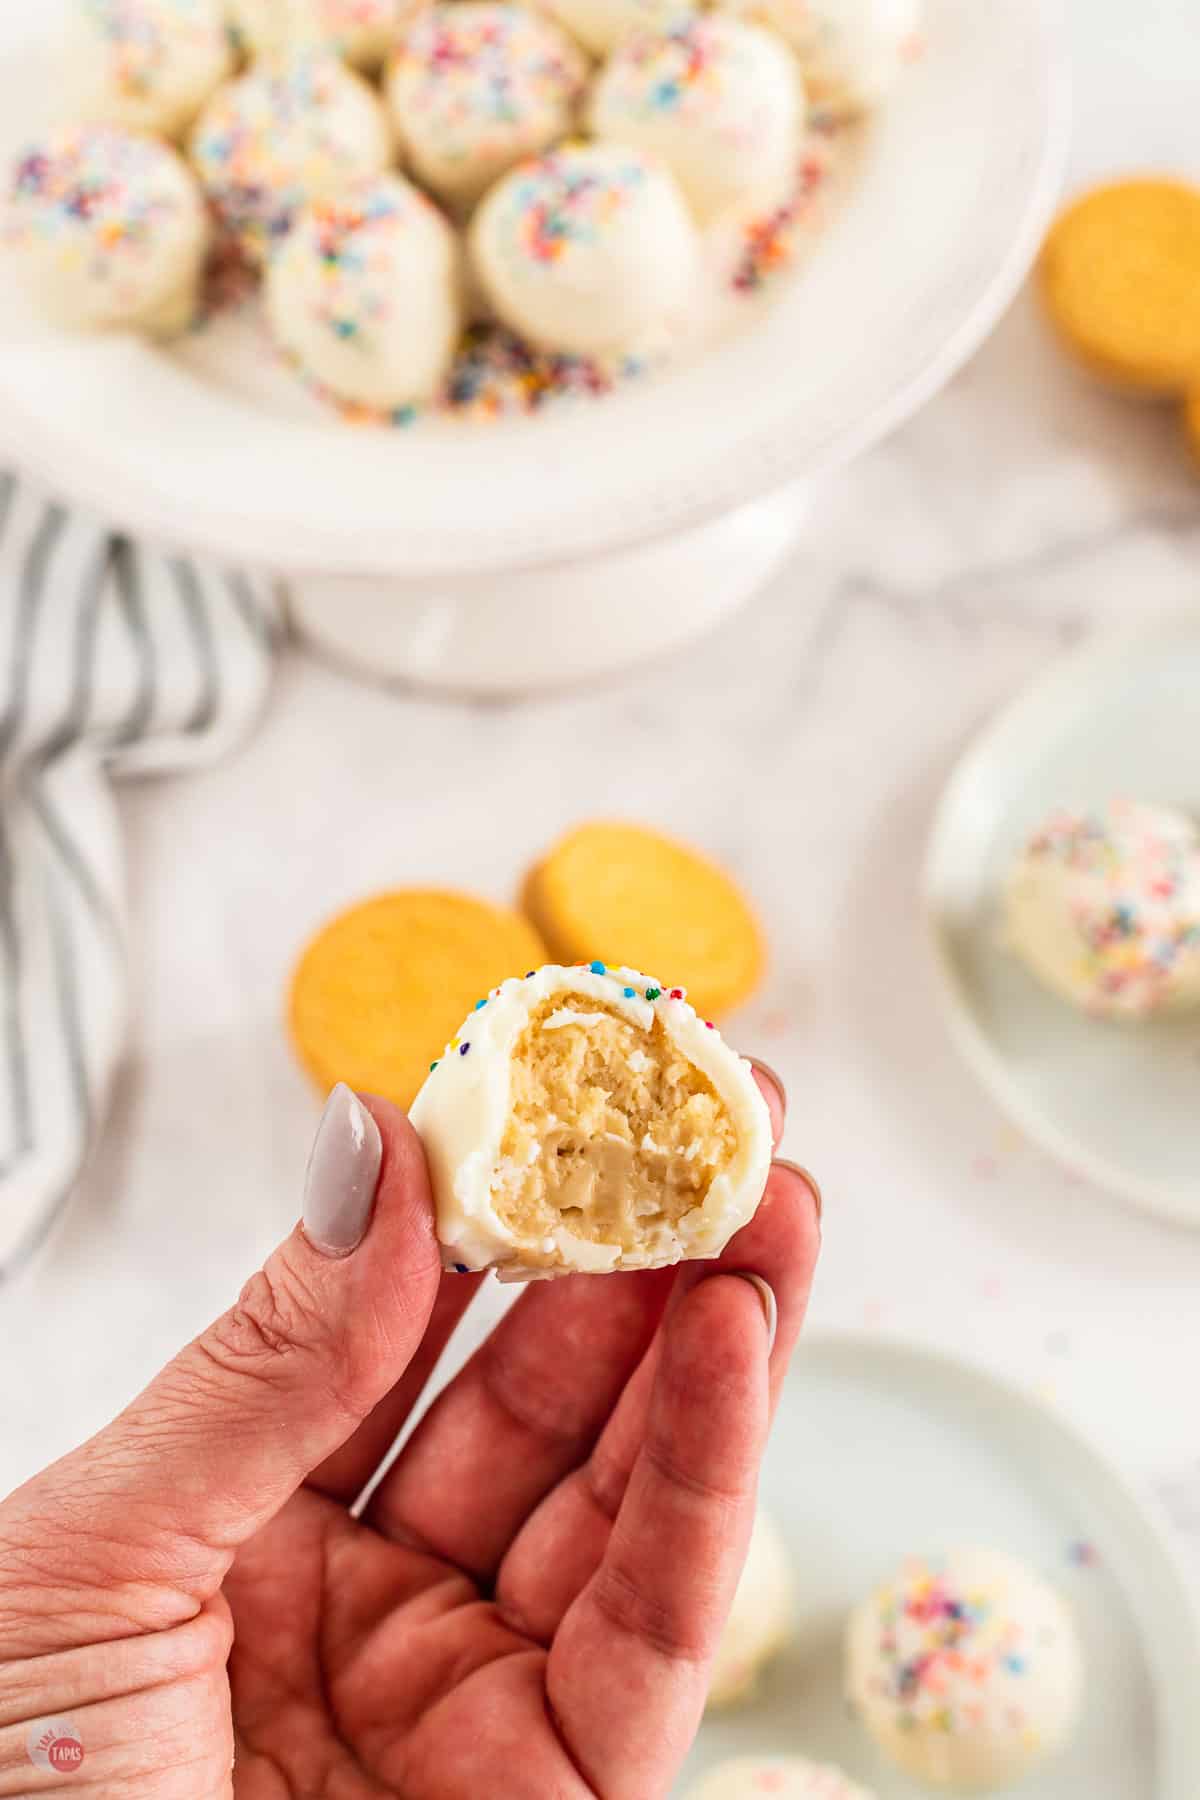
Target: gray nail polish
{"points": [[343, 1170], [766, 1295]]}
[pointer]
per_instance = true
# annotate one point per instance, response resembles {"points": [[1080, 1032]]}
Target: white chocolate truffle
{"points": [[586, 1119], [110, 230], [282, 135], [362, 31], [146, 64], [365, 294], [600, 25], [776, 1778], [851, 51], [476, 87], [760, 1620], [589, 251], [717, 100], [966, 1670], [1104, 908]]}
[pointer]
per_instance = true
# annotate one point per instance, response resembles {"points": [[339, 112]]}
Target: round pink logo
{"points": [[55, 1744]]}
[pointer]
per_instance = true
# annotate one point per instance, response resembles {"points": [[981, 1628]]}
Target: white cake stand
{"points": [[522, 555]]}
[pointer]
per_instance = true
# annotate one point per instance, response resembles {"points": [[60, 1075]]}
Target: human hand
{"points": [[530, 1603]]}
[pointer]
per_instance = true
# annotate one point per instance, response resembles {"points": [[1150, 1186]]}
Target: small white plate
{"points": [[1119, 1104], [880, 1450], [957, 181]]}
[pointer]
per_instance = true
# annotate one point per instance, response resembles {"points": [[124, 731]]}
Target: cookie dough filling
{"points": [[612, 1131], [587, 1119]]}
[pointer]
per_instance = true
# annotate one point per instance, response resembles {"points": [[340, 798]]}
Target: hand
{"points": [[530, 1603]]}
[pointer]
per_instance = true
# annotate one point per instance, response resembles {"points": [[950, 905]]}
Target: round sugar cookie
{"points": [[380, 989], [776, 1778], [1120, 276], [628, 894]]}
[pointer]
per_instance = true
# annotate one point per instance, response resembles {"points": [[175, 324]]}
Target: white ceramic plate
{"points": [[1119, 1104], [958, 177], [879, 1450]]}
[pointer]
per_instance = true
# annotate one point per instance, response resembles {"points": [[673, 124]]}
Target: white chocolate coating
{"points": [[365, 293], [1104, 908], [776, 1778], [362, 31], [851, 51], [589, 251], [462, 1110], [109, 229], [761, 1618], [966, 1671], [282, 135], [148, 65], [476, 87], [717, 100], [600, 25]]}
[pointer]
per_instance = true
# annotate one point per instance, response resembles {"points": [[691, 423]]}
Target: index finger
{"points": [[628, 1670]]}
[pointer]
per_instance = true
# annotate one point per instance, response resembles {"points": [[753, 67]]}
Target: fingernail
{"points": [[343, 1171], [810, 1181], [766, 1295], [768, 1073]]}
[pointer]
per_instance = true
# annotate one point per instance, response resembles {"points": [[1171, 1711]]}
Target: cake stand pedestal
{"points": [[561, 623]]}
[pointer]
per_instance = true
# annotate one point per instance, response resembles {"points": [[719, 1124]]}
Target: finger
{"points": [[525, 1410], [228, 1431], [770, 1086], [559, 1548], [349, 1471], [345, 1474], [628, 1669]]}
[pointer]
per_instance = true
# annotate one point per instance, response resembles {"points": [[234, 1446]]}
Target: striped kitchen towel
{"points": [[114, 660]]}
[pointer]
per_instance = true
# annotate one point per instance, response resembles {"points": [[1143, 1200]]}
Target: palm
{"points": [[529, 1603], [362, 1668]]}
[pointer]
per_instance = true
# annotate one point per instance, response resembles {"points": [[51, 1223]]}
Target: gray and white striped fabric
{"points": [[114, 661]]}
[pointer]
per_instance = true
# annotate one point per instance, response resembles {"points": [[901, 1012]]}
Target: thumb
{"points": [[230, 1429]]}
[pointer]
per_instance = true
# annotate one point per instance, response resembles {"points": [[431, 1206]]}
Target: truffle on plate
{"points": [[283, 134], [718, 100], [146, 64], [966, 1669], [590, 251], [1104, 908], [476, 87], [109, 229], [365, 293]]}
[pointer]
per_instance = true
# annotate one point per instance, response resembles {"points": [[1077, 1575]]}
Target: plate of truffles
{"points": [[379, 287], [1062, 889], [1013, 1620]]}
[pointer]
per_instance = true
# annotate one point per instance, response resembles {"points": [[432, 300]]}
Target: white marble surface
{"points": [[806, 745]]}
